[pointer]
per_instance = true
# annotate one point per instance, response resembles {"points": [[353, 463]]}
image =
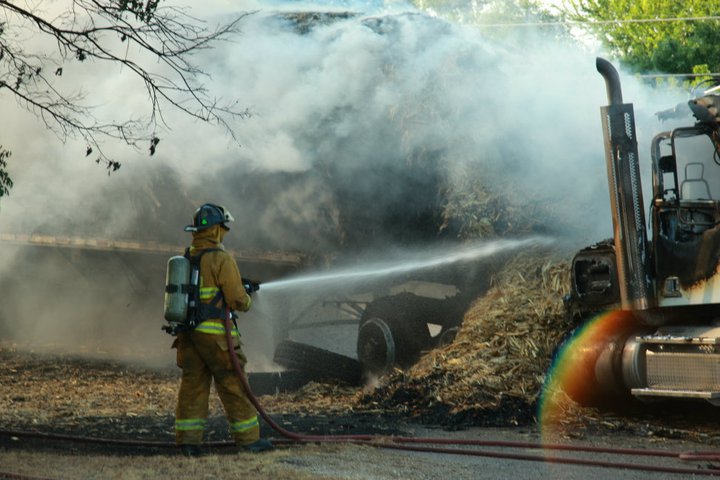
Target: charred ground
{"points": [[96, 398]]}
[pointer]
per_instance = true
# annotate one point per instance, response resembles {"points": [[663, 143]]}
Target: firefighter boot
{"points": [[191, 450], [260, 445]]}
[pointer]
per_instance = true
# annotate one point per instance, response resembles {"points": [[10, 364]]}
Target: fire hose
{"points": [[415, 444], [404, 443]]}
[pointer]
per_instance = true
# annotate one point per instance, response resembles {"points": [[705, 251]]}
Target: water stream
{"points": [[410, 262]]}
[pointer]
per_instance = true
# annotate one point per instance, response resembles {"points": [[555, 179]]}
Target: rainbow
{"points": [[571, 378]]}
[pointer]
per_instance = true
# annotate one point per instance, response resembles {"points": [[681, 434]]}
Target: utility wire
{"points": [[684, 75], [598, 22]]}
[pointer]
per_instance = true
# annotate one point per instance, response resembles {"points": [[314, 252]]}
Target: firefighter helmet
{"points": [[208, 215]]}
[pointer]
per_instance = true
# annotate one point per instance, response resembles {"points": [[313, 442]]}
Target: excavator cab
{"points": [[663, 282], [685, 212]]}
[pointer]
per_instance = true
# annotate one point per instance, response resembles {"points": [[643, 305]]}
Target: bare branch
{"points": [[129, 33]]}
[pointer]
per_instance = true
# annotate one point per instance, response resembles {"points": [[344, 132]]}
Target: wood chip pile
{"points": [[502, 352]]}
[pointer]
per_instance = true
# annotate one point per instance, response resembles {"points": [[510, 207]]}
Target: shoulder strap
{"points": [[196, 258], [203, 311]]}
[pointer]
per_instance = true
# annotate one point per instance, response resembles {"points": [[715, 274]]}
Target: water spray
{"points": [[412, 262]]}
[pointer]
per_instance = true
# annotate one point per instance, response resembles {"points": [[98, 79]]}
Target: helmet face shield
{"points": [[208, 215], [228, 216]]}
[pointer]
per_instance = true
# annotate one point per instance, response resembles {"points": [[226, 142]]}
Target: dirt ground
{"points": [[106, 399]]}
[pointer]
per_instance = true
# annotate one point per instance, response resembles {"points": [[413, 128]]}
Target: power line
{"points": [[685, 75], [599, 22]]}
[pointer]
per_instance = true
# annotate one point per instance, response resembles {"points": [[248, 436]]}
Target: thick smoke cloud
{"points": [[365, 119], [342, 103]]}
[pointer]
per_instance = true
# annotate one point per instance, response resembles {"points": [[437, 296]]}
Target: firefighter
{"points": [[202, 353]]}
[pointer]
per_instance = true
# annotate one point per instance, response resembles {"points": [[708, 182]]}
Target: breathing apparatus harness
{"points": [[183, 309]]}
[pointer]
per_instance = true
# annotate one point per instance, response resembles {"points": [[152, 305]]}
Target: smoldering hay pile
{"points": [[492, 374], [497, 363]]}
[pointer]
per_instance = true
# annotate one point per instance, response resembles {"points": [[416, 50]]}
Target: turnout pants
{"points": [[204, 357]]}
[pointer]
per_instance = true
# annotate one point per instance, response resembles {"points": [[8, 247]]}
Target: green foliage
{"points": [[6, 182], [654, 35]]}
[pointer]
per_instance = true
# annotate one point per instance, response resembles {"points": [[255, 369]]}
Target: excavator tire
{"points": [[318, 363]]}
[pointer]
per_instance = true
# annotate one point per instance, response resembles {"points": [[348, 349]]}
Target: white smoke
{"points": [[338, 100], [351, 91]]}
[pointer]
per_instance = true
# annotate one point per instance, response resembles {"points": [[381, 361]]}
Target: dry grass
{"points": [[273, 465], [300, 462]]}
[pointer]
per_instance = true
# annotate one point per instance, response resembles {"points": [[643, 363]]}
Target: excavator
{"points": [[663, 279]]}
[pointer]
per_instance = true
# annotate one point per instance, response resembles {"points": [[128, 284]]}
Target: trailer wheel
{"points": [[318, 363], [376, 346], [447, 336], [393, 331]]}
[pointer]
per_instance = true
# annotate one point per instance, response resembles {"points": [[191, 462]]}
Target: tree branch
{"points": [[106, 31]]}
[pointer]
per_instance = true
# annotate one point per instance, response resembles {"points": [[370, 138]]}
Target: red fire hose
{"points": [[401, 443]]}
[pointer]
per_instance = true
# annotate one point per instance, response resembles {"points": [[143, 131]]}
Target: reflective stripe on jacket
{"points": [[208, 293], [214, 327]]}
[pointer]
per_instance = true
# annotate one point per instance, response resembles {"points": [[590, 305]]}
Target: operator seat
{"points": [[694, 187], [698, 211]]}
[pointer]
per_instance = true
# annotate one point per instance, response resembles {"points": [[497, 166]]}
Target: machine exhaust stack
{"points": [[628, 211]]}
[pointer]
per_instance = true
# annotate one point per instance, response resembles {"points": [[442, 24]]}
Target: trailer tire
{"points": [[405, 316], [318, 363], [447, 336], [376, 346]]}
